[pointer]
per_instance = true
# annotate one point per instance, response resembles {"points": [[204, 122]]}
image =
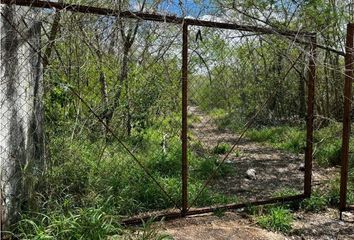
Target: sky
{"points": [[191, 8]]}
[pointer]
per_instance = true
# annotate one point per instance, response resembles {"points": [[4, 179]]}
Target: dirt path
{"points": [[231, 226], [275, 171], [237, 226]]}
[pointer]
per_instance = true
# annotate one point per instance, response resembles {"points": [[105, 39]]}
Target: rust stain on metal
{"points": [[185, 120], [184, 80], [196, 211], [346, 117], [152, 17]]}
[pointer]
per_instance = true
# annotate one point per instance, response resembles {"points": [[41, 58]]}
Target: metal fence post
{"points": [[310, 118], [346, 116], [184, 120]]}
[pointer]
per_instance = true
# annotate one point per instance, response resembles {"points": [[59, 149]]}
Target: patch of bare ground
{"points": [[235, 225], [209, 227], [323, 225]]}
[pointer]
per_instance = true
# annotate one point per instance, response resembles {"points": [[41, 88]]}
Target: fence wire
{"points": [[232, 90], [91, 113]]}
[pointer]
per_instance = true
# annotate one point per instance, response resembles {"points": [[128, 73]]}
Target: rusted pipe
{"points": [[196, 211], [346, 117], [185, 120], [152, 17]]}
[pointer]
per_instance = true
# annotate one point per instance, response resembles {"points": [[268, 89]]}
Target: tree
{"points": [[21, 139]]}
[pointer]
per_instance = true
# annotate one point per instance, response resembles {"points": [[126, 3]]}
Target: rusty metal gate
{"points": [[180, 203]]}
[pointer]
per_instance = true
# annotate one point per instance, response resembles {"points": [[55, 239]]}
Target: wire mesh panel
{"points": [[111, 107], [239, 98], [108, 113], [117, 93]]}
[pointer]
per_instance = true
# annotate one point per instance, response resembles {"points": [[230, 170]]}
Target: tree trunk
{"points": [[21, 114]]}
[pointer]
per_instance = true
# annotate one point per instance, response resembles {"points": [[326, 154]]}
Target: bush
{"points": [[284, 137]]}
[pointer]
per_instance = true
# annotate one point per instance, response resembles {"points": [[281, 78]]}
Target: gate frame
{"points": [[309, 39], [348, 85], [309, 131]]}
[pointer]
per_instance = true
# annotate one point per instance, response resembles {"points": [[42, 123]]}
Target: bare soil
{"points": [[237, 225], [275, 170]]}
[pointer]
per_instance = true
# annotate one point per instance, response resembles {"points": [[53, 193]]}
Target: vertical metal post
{"points": [[184, 120], [346, 116], [310, 118]]}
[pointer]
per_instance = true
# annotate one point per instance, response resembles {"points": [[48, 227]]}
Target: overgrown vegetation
{"points": [[112, 111], [89, 189]]}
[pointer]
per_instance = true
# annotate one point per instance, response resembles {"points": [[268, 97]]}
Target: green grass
{"points": [[327, 144], [218, 113], [333, 194], [91, 184], [286, 192], [291, 139], [327, 153], [89, 223], [316, 203], [222, 148], [276, 219]]}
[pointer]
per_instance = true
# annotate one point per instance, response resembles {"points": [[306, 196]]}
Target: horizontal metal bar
{"points": [[152, 17], [350, 207], [196, 211], [293, 35]]}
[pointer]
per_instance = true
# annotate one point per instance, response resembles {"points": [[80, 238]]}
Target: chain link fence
{"points": [[92, 112]]}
